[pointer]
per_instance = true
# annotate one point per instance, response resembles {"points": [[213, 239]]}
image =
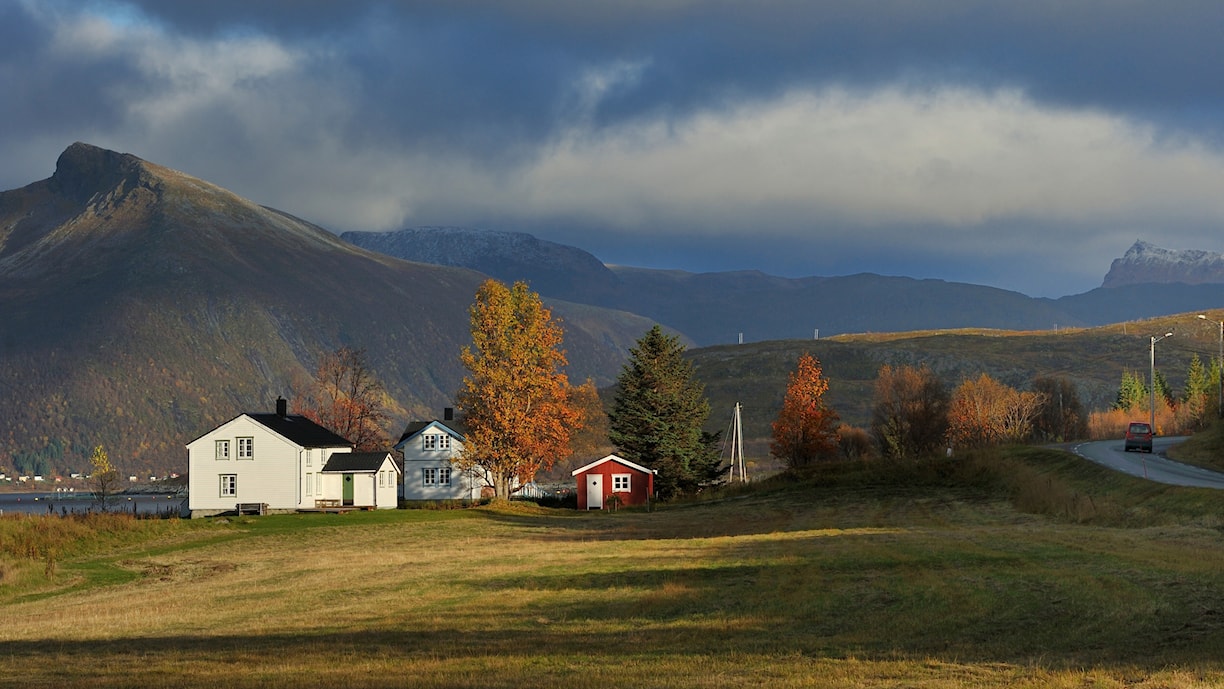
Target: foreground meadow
{"points": [[1023, 570]]}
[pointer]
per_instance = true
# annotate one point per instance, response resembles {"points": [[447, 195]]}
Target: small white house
{"points": [[360, 479], [431, 472], [277, 460]]}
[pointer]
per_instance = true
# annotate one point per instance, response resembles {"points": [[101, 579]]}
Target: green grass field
{"points": [[1024, 568]]}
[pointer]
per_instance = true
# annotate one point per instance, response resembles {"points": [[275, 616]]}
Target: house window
{"points": [[444, 476], [318, 484], [620, 483], [429, 476], [429, 442], [222, 449], [246, 448], [381, 480], [309, 483], [309, 457], [444, 442], [229, 485]]}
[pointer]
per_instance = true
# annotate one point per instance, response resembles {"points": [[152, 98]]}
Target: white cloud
{"points": [[951, 157]]}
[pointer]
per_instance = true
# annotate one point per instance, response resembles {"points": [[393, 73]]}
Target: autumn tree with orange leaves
{"points": [[518, 404], [347, 399], [805, 430], [986, 412]]}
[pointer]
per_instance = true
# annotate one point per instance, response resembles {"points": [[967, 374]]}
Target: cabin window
{"points": [[309, 483], [430, 442], [229, 485], [620, 483], [429, 476], [444, 442], [246, 448], [444, 476], [223, 449], [382, 479]]}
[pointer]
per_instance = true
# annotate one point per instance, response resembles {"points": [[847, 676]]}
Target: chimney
{"points": [[282, 407], [448, 414]]}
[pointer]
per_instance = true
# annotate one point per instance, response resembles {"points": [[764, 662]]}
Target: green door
{"points": [[348, 489]]}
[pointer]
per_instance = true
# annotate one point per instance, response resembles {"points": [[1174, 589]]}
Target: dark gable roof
{"points": [[349, 462], [300, 430], [457, 429]]}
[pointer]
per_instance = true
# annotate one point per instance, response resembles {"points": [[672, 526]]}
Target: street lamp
{"points": [[1152, 381], [1220, 371]]}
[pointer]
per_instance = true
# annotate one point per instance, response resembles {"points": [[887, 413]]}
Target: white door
{"points": [[594, 491]]}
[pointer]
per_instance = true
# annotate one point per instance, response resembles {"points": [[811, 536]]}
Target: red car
{"points": [[1139, 437]]}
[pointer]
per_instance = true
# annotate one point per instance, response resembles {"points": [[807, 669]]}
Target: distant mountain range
{"points": [[140, 306], [719, 308]]}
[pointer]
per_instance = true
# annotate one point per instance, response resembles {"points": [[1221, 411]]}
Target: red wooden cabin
{"points": [[599, 481]]}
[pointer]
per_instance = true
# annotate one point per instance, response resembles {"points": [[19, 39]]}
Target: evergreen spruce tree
{"points": [[1198, 388], [658, 413], [1163, 391], [1213, 395], [1132, 393]]}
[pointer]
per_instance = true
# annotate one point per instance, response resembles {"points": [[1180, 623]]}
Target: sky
{"points": [[1021, 145]]}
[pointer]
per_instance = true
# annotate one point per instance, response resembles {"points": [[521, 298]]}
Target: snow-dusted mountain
{"points": [[1146, 263]]}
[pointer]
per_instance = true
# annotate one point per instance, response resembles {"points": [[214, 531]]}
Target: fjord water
{"points": [[80, 503]]}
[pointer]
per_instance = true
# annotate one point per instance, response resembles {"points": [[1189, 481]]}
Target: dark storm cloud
{"points": [[1145, 55], [42, 91]]}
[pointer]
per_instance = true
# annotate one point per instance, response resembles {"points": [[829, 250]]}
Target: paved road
{"points": [[1154, 467]]}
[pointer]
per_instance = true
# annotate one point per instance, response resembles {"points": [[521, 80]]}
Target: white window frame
{"points": [[444, 476], [229, 485], [246, 447], [444, 442], [429, 442], [222, 451], [429, 476], [622, 483], [319, 483], [309, 457], [309, 484]]}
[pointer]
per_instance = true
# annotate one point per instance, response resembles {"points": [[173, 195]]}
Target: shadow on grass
{"points": [[680, 627]]}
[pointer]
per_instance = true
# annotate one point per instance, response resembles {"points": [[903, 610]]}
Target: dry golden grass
{"points": [[845, 582]]}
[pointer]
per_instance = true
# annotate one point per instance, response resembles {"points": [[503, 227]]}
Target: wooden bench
{"points": [[260, 508]]}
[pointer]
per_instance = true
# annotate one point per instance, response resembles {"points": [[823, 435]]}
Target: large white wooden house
{"points": [[431, 471], [284, 462]]}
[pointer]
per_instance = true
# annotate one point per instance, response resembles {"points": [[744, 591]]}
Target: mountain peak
{"points": [[83, 170], [1146, 263]]}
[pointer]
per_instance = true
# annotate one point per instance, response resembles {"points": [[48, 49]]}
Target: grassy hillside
{"points": [[1093, 359], [1021, 568]]}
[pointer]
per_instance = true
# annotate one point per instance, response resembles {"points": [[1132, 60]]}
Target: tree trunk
{"points": [[501, 485]]}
